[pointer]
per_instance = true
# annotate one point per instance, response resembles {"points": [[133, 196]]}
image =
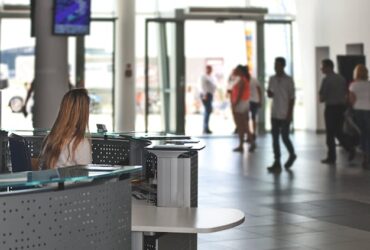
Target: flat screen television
{"points": [[71, 17]]}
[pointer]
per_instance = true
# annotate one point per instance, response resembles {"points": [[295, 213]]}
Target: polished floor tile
{"points": [[260, 244], [311, 206]]}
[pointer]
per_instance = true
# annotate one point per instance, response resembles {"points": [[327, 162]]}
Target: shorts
{"points": [[254, 106], [242, 107]]}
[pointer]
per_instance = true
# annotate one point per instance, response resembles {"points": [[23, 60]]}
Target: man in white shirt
{"points": [[208, 88], [281, 90]]}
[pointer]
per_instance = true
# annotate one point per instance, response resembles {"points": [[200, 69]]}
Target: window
{"points": [[17, 68]]}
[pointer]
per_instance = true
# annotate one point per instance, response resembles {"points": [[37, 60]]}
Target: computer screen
{"points": [[71, 17]]}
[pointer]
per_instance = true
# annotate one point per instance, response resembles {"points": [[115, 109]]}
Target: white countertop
{"points": [[184, 220]]}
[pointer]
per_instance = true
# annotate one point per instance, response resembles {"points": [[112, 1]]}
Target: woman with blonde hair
{"points": [[67, 144], [359, 97]]}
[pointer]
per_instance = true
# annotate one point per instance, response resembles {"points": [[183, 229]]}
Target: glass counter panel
{"points": [[67, 174]]}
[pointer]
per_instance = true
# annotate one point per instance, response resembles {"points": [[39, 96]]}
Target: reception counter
{"points": [[82, 207], [87, 208]]}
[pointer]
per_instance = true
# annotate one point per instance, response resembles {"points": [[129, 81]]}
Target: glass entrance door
{"points": [[278, 43], [164, 90], [99, 72]]}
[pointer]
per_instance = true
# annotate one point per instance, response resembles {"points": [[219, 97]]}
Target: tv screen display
{"points": [[71, 17]]}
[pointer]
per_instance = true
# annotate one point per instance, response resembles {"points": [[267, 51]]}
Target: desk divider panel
{"points": [[90, 216], [110, 151]]}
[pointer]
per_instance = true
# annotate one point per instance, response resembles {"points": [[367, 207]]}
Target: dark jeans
{"points": [[281, 126], [207, 103], [334, 118], [362, 119]]}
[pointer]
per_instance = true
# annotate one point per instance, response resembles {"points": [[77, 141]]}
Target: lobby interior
{"points": [[310, 206]]}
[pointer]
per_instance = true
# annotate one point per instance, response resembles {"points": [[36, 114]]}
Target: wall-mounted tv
{"points": [[71, 17]]}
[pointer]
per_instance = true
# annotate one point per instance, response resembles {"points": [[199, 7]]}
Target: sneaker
{"points": [[328, 161], [239, 149], [207, 131], [290, 161], [252, 147], [276, 166]]}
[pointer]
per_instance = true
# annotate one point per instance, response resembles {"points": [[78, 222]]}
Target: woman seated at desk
{"points": [[66, 144]]}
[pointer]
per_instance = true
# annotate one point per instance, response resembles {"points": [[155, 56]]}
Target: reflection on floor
{"points": [[312, 206]]}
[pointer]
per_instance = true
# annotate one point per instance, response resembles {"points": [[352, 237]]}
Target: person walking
{"points": [[333, 92], [208, 88], [281, 91], [359, 97], [240, 94], [254, 105]]}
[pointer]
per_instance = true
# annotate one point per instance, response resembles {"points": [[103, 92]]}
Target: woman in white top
{"points": [[66, 144], [359, 95]]}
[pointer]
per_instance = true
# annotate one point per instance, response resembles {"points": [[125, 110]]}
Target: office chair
{"points": [[19, 154]]}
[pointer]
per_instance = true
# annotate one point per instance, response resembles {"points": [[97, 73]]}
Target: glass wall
{"points": [[99, 54], [154, 84], [17, 72], [17, 66], [99, 72]]}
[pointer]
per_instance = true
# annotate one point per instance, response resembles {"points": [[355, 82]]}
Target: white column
{"points": [[124, 99], [51, 67]]}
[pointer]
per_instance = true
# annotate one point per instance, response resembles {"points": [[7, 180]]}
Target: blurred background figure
{"points": [[359, 97], [333, 92], [254, 105], [240, 94], [208, 88]]}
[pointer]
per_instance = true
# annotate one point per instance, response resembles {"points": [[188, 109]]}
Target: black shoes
{"points": [[328, 161], [207, 131], [290, 161], [252, 147], [239, 149], [276, 166]]}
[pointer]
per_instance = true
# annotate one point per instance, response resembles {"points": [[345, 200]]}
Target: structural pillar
{"points": [[261, 71], [51, 67], [124, 97]]}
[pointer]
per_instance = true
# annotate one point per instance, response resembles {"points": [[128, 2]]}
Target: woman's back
{"points": [[361, 89], [66, 144], [81, 156]]}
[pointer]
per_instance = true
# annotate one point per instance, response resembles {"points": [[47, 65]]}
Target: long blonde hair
{"points": [[71, 124], [360, 72]]}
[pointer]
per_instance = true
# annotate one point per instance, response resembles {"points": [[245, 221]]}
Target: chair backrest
{"points": [[19, 154]]}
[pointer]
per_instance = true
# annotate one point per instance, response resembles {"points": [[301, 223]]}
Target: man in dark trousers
{"points": [[281, 91], [208, 88], [333, 92]]}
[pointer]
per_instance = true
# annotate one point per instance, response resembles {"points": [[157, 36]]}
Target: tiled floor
{"points": [[312, 206]]}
